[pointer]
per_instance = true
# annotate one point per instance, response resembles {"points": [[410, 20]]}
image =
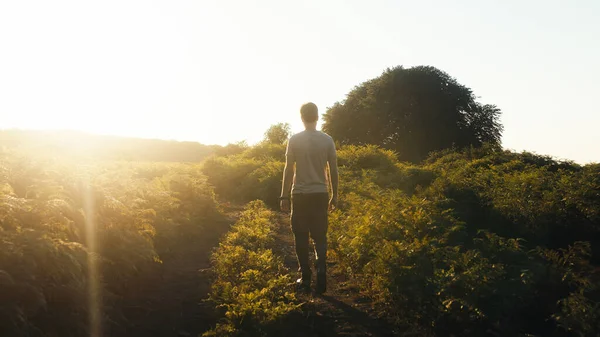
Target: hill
{"points": [[83, 145]]}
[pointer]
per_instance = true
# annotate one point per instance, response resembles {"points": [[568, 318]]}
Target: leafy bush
{"points": [[487, 242], [254, 174], [227, 174], [264, 183], [367, 157], [139, 211], [251, 283], [230, 149], [266, 151], [473, 242]]}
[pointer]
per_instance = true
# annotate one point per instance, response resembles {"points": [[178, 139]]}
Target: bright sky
{"points": [[223, 71]]}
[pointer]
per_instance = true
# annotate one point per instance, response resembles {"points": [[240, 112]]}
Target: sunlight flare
{"points": [[94, 291]]}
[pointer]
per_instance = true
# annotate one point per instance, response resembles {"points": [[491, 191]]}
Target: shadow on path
{"points": [[371, 325], [339, 312]]}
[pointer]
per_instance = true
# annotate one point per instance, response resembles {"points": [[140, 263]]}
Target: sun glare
{"points": [[94, 290]]}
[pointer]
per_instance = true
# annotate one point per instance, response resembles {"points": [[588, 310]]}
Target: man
{"points": [[311, 151]]}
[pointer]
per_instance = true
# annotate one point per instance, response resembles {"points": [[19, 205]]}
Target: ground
{"points": [[171, 302], [341, 311]]}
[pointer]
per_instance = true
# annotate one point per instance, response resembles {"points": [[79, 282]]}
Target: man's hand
{"points": [[284, 204], [333, 202]]}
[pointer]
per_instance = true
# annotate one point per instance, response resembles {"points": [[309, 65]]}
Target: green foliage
{"points": [[533, 197], [264, 183], [278, 133], [251, 283], [265, 152], [253, 174], [381, 167], [139, 211], [231, 149], [413, 111], [227, 174], [475, 242], [367, 157]]}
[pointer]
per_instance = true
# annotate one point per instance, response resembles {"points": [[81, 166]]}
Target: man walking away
{"points": [[306, 189]]}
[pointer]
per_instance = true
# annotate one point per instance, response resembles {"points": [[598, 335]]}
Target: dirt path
{"points": [[169, 304], [169, 300], [341, 311]]}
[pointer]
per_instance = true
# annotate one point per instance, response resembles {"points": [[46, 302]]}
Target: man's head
{"points": [[309, 113]]}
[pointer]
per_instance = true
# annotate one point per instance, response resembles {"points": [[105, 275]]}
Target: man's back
{"points": [[310, 149]]}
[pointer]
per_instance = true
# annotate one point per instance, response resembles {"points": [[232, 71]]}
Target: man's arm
{"points": [[333, 171], [288, 177]]}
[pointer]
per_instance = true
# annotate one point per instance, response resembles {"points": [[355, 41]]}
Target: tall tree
{"points": [[413, 111], [277, 133]]}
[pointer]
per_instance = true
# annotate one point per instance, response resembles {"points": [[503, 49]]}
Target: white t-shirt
{"points": [[310, 150]]}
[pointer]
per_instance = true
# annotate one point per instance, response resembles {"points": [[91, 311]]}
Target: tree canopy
{"points": [[413, 111], [277, 133]]}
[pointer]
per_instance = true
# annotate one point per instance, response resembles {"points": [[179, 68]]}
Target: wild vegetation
{"points": [[51, 211], [413, 111], [472, 242], [453, 237], [251, 285], [480, 242]]}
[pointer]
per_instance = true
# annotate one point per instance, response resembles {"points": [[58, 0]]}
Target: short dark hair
{"points": [[309, 112]]}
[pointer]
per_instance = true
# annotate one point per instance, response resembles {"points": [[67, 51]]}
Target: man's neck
{"points": [[310, 126]]}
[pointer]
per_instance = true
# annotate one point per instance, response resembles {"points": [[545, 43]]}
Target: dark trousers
{"points": [[309, 218]]}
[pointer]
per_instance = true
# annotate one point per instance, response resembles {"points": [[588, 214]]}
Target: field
{"points": [[472, 242]]}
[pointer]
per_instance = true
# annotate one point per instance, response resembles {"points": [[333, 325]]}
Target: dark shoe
{"points": [[303, 285], [321, 283]]}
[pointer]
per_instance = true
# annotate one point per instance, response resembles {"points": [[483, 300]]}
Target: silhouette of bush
{"points": [[413, 111]]}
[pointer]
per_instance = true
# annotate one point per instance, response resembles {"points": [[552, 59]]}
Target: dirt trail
{"points": [[170, 300], [341, 311]]}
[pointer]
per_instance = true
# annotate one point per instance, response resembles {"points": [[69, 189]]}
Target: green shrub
{"points": [[251, 283], [487, 242], [266, 151], [247, 177], [264, 183], [139, 211], [230, 149], [367, 157], [227, 174]]}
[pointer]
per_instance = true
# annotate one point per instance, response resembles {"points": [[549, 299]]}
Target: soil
{"points": [[341, 311], [170, 301]]}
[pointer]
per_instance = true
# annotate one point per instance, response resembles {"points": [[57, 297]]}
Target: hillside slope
{"points": [[76, 144]]}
